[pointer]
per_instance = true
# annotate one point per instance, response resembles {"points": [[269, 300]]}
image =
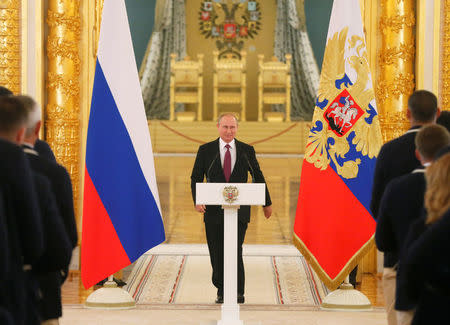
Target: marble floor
{"points": [[184, 225]]}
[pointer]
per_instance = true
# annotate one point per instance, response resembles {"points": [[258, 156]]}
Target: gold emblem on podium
{"points": [[230, 193]]}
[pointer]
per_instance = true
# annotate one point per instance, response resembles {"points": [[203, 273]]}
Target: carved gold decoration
{"points": [[96, 29], [403, 84], [274, 75], [395, 78], [445, 64], [10, 44], [186, 83], [62, 112], [398, 22], [229, 81], [403, 51], [394, 124]]}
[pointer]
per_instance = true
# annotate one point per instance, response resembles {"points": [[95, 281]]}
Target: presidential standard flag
{"points": [[121, 209], [333, 223]]}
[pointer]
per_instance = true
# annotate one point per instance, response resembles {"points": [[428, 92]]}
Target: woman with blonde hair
{"points": [[437, 196], [426, 260]]}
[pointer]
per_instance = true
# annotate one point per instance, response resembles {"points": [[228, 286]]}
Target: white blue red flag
{"points": [[333, 225], [121, 209]]}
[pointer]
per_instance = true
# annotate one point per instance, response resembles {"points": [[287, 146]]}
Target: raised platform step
{"points": [[266, 137]]}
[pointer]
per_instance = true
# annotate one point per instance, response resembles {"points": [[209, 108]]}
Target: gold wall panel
{"points": [[445, 58], [10, 45], [62, 119], [396, 54]]}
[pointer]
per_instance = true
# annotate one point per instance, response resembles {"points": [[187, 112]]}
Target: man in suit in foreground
{"points": [[25, 239], [61, 186], [221, 161], [397, 157], [41, 146]]}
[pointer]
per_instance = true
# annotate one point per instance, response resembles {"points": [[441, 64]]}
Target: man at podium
{"points": [[226, 160]]}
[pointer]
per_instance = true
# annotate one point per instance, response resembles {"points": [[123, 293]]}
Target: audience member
{"points": [[62, 189], [397, 158], [444, 120], [41, 146], [401, 204], [426, 264], [23, 221]]}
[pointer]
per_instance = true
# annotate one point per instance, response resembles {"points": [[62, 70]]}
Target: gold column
{"points": [[445, 63], [62, 118], [10, 44], [395, 80]]}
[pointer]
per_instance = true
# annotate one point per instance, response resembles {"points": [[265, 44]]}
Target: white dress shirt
{"points": [[222, 151]]}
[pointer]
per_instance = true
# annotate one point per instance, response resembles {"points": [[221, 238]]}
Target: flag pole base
{"points": [[110, 296], [346, 298]]}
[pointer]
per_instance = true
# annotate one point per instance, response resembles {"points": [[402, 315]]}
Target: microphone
{"points": [[251, 169], [210, 166]]}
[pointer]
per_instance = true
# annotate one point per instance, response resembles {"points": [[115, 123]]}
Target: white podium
{"points": [[230, 196]]}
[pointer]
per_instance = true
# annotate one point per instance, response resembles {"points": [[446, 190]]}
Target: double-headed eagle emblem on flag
{"points": [[342, 129]]}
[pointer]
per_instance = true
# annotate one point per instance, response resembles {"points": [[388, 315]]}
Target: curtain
{"points": [[291, 37], [168, 36]]}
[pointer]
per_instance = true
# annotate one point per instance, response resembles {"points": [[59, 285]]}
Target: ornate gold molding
{"points": [[97, 21], [396, 55], [62, 118], [391, 55], [445, 59], [10, 45]]}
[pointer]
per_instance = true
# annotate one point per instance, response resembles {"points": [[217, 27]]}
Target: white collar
{"points": [[222, 143], [413, 130]]}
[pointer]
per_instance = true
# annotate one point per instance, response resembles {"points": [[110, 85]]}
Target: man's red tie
{"points": [[227, 163]]}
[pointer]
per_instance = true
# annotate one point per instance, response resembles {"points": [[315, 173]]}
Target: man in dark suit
{"points": [[397, 158], [220, 161], [40, 146], [23, 221], [402, 203], [61, 187]]}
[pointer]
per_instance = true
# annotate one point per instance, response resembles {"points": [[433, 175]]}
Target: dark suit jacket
{"points": [[44, 150], [58, 248], [208, 165], [426, 265], [396, 158], [5, 317], [401, 205], [4, 247], [61, 186], [23, 222]]}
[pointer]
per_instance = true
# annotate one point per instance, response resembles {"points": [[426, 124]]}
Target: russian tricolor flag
{"points": [[334, 227], [121, 209]]}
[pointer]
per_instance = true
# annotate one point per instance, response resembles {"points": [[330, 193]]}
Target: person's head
{"points": [[5, 91], [227, 125], [34, 118], [13, 119], [422, 108], [437, 195], [429, 141], [444, 119]]}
